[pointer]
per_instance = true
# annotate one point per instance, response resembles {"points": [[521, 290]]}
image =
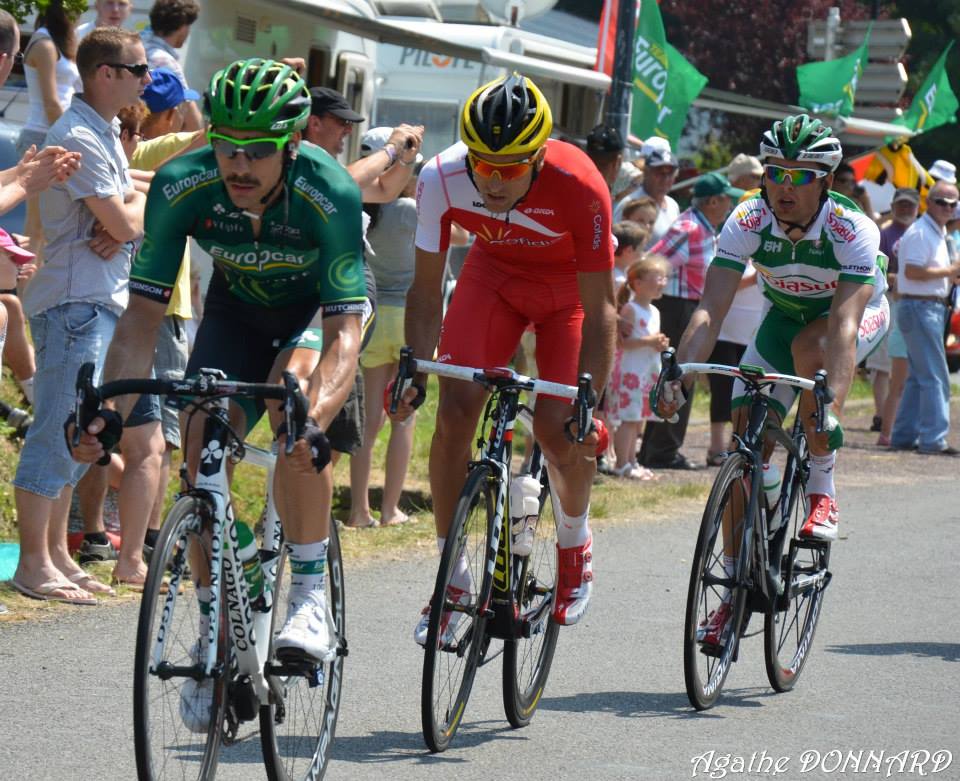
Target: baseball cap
{"points": [[656, 151], [906, 194], [166, 91], [18, 254], [715, 184], [325, 100], [604, 138], [744, 165], [944, 171]]}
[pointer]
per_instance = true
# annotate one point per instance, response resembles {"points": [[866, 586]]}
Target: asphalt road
{"points": [[883, 678]]}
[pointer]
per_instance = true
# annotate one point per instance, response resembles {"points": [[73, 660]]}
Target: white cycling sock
{"points": [[308, 568], [572, 531], [461, 572], [821, 475], [729, 569], [27, 387]]}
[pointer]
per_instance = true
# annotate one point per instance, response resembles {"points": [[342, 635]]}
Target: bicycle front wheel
{"points": [[456, 637], [297, 729], [790, 623], [174, 738], [527, 659], [707, 658]]}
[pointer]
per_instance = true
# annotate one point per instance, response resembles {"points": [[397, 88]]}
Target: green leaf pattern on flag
{"points": [[830, 87], [664, 83], [935, 103]]}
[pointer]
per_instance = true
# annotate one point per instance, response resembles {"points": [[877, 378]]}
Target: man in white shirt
{"points": [[110, 13], [923, 281], [659, 173]]}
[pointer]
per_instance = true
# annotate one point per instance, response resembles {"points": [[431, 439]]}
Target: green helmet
{"points": [[802, 138], [258, 94]]}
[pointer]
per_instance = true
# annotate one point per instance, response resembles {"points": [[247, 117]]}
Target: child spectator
{"points": [[638, 360], [630, 240]]}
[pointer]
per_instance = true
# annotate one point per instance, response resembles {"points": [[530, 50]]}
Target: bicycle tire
{"points": [[293, 757], [791, 622], [449, 667], [164, 746], [705, 668], [527, 660]]}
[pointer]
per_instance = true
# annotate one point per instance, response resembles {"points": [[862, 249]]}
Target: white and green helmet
{"points": [[802, 138]]}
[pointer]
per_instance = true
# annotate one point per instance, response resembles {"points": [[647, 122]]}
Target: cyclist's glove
{"points": [[415, 402], [834, 432], [109, 436], [316, 440]]}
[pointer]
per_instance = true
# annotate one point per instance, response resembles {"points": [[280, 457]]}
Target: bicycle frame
{"points": [[249, 629]]}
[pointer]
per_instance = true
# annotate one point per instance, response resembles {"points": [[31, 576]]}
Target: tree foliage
{"points": [[23, 10]]}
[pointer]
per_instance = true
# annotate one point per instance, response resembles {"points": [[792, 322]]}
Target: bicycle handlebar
{"points": [[210, 383], [751, 375], [500, 377]]}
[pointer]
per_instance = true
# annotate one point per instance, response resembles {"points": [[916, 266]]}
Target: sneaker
{"points": [[305, 633], [711, 631], [448, 626], [575, 583], [823, 518], [196, 698], [91, 552]]}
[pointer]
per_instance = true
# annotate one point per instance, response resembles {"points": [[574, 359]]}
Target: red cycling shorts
{"points": [[494, 303]]}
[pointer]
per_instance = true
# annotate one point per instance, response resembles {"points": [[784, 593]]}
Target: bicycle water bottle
{"points": [[260, 597], [771, 486], [524, 509]]}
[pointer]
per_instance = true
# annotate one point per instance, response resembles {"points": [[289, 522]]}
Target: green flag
{"points": [[664, 83], [829, 87], [934, 104]]}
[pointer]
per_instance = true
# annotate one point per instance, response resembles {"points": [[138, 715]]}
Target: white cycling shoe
{"points": [[449, 622], [306, 633], [196, 699]]}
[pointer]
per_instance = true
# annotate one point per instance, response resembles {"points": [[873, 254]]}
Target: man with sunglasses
{"points": [[924, 276], [824, 279], [282, 224], [543, 256]]}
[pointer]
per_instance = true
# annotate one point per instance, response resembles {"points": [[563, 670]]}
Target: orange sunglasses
{"points": [[506, 171]]}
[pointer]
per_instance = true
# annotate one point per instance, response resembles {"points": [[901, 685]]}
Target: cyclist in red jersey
{"points": [[543, 254]]}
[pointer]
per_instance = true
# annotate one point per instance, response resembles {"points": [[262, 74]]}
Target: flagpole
{"points": [[618, 105]]}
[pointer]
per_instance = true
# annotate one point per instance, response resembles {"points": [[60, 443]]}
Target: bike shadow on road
{"points": [[948, 652], [395, 746], [628, 705]]}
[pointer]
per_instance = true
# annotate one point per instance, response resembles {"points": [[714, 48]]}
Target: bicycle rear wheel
{"points": [[167, 636], [790, 624], [705, 666], [527, 660], [297, 731], [456, 637]]}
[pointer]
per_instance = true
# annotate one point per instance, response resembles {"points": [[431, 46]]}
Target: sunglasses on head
{"points": [[951, 202], [795, 176], [139, 70], [254, 148], [506, 171]]}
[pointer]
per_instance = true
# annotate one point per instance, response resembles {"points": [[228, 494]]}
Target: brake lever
{"points": [[294, 410], [823, 396], [586, 401], [87, 404], [405, 371]]}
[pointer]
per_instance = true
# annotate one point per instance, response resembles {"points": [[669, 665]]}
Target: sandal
{"points": [[87, 582], [716, 459]]}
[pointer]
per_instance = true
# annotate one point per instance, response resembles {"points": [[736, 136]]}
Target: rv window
{"points": [[441, 121]]}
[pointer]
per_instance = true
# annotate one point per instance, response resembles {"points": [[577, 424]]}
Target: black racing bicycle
{"points": [[770, 569], [511, 596]]}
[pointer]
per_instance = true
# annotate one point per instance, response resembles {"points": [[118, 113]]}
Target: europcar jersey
{"points": [[800, 278], [563, 224], [308, 249]]}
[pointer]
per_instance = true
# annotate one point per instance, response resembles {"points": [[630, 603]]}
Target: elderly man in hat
{"points": [[659, 173], [745, 172]]}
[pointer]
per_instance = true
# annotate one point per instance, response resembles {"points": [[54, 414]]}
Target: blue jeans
{"points": [[64, 337], [923, 415]]}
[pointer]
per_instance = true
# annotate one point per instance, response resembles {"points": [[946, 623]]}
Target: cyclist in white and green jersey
{"points": [[823, 278]]}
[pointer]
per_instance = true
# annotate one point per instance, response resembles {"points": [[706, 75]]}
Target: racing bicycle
{"points": [[774, 572], [511, 596], [297, 702]]}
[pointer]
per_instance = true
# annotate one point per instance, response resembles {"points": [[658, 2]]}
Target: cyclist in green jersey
{"points": [[282, 223], [823, 278]]}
